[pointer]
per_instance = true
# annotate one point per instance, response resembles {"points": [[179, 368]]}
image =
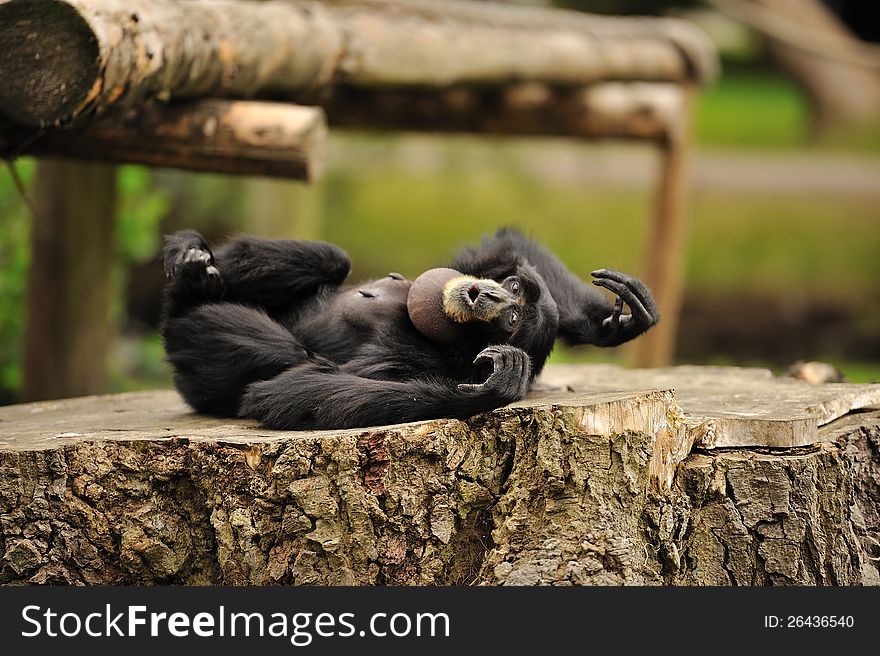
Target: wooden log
{"points": [[220, 136], [559, 489], [609, 110], [694, 44], [83, 56], [75, 58]]}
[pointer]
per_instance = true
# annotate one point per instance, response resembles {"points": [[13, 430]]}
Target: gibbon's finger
{"points": [[481, 358], [490, 353], [526, 368], [624, 292], [479, 388], [196, 255], [618, 308], [632, 282], [637, 286], [619, 276], [471, 388], [614, 319]]}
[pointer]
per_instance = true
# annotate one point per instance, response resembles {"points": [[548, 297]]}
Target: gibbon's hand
{"points": [[511, 373], [632, 291]]}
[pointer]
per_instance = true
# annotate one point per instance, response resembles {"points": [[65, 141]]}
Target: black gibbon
{"points": [[265, 329]]}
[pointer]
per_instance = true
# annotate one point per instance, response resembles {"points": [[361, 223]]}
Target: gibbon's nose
{"points": [[491, 291]]}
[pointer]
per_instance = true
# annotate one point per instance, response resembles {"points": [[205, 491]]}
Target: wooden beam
{"points": [[73, 59], [694, 45], [219, 136], [635, 110]]}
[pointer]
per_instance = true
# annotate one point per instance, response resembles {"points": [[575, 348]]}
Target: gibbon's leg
{"points": [[273, 274], [321, 395], [586, 316], [218, 349]]}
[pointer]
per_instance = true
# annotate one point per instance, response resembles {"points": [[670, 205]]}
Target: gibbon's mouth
{"points": [[472, 294]]}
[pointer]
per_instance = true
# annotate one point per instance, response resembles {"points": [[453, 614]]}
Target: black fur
{"points": [[263, 328]]}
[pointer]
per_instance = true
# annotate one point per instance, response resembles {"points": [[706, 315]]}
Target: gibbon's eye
{"points": [[513, 317], [513, 285]]}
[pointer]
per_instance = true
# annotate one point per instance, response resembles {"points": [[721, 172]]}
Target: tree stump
{"points": [[606, 484]]}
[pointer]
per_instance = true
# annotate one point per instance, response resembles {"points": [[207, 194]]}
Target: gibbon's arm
{"points": [[272, 273], [321, 396], [586, 316]]}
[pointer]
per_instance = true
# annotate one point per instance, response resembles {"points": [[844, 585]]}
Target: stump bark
{"points": [[565, 488]]}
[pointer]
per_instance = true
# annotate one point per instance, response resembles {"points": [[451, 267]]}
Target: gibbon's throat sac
{"points": [[424, 303], [441, 300]]}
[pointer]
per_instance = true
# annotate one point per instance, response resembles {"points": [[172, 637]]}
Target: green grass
{"points": [[802, 243], [765, 110], [755, 110], [859, 372], [138, 363]]}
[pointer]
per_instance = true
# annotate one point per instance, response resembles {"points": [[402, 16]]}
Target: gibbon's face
{"points": [[517, 309]]}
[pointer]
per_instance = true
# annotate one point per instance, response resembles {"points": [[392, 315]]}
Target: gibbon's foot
{"points": [[632, 291], [196, 260], [510, 377], [186, 253]]}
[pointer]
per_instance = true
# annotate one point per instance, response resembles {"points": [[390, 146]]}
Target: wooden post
{"points": [[67, 332], [664, 247]]}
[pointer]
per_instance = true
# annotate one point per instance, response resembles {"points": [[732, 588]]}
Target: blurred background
{"points": [[783, 254]]}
